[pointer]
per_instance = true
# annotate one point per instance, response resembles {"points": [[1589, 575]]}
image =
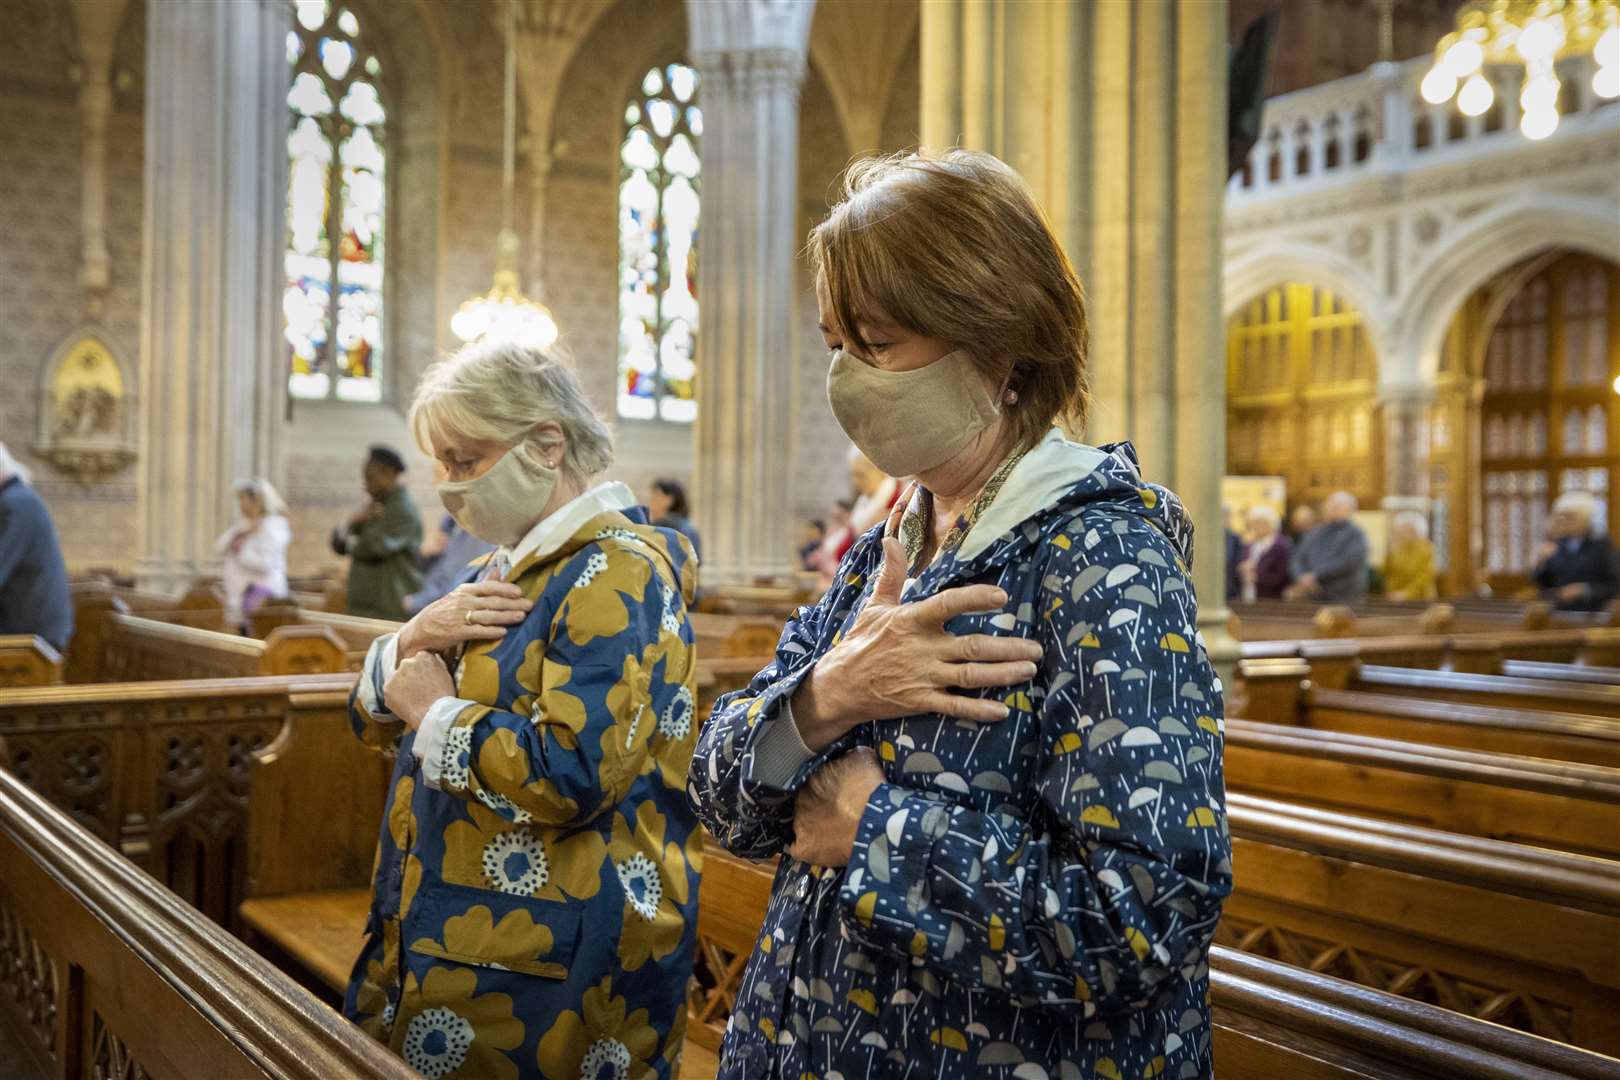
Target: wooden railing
{"points": [[137, 648], [105, 974]]}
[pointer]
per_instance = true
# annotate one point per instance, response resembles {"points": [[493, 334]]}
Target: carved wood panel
{"points": [[112, 1059], [29, 985], [1508, 1006], [1302, 394]]}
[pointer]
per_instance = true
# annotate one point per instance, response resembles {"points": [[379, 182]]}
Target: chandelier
{"points": [[1536, 34], [504, 313]]}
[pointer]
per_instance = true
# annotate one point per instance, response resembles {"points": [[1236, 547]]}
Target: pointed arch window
{"points": [[336, 194], [658, 229]]}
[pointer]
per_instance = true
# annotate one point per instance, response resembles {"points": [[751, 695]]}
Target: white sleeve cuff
{"points": [[381, 659], [431, 739], [779, 750]]}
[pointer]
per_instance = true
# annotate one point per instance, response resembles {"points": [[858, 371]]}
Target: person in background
{"points": [[34, 597], [1330, 561], [875, 492], [668, 507], [1263, 571], [1576, 569], [449, 565], [383, 540], [254, 552], [1302, 521], [1409, 572], [815, 531], [839, 538]]}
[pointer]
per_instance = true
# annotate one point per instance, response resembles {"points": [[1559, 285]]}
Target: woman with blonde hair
{"points": [[989, 757], [254, 552], [535, 897]]}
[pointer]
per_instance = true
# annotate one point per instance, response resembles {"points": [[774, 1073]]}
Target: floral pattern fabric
{"points": [[535, 895], [1030, 898]]}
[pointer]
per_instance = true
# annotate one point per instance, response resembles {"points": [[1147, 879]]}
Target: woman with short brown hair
{"points": [[990, 755]]}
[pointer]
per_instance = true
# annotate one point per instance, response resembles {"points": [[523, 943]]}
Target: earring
{"points": [[1010, 397]]}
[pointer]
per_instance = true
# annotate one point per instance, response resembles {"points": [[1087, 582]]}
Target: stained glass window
{"points": [[335, 203], [658, 225]]}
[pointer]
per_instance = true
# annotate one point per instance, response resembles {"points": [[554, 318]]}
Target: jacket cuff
{"points": [[381, 660], [443, 749], [779, 750]]}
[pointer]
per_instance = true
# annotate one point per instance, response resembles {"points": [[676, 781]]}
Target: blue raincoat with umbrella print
{"points": [[1030, 898]]}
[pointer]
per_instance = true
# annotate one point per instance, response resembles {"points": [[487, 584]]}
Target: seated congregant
{"points": [[34, 597], [1576, 570], [535, 898], [383, 540], [254, 552], [1263, 570], [1329, 564], [1409, 570]]}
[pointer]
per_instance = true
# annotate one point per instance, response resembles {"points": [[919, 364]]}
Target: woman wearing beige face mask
{"points": [[536, 886], [989, 756]]}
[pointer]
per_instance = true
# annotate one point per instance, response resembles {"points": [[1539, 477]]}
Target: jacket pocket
{"points": [[482, 928]]}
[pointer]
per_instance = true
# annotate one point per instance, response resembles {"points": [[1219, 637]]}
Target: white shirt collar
{"points": [[1051, 468], [555, 528]]}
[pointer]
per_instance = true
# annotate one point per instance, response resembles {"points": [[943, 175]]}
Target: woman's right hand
{"points": [[899, 660], [476, 611]]}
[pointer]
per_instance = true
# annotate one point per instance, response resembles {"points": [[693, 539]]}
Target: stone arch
{"points": [[1493, 242], [1274, 264]]}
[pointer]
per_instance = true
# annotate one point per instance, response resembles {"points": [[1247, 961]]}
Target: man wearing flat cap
{"points": [[383, 541]]}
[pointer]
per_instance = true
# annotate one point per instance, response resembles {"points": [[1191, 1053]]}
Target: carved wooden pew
{"points": [[137, 649], [159, 770], [1521, 936], [1271, 1020], [1284, 692], [315, 801], [1476, 653], [28, 660], [1554, 804], [105, 974], [1494, 690]]}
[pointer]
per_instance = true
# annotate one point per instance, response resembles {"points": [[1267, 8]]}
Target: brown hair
{"points": [[952, 246]]}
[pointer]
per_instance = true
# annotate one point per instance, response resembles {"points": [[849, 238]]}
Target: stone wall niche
{"points": [[87, 411]]}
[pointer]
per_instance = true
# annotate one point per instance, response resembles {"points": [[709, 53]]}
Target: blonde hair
{"points": [[270, 501], [1415, 521], [953, 246], [501, 391]]}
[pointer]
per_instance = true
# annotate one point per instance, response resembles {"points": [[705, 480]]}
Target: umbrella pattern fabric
{"points": [[1028, 899]]}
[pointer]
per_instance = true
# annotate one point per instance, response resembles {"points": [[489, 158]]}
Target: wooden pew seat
{"points": [[320, 932]]}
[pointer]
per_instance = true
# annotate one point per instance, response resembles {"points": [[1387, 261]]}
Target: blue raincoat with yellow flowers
{"points": [[1029, 898], [536, 887]]}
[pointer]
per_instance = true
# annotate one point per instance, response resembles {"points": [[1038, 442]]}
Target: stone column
{"points": [[1405, 414], [1116, 114], [212, 376], [750, 56]]}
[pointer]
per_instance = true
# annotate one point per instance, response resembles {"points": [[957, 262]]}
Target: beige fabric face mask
{"points": [[907, 422], [499, 506]]}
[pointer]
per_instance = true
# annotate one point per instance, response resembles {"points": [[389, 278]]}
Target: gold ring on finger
{"points": [[469, 617]]}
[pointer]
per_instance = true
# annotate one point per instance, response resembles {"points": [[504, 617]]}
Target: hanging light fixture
{"points": [[1536, 34], [504, 313]]}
